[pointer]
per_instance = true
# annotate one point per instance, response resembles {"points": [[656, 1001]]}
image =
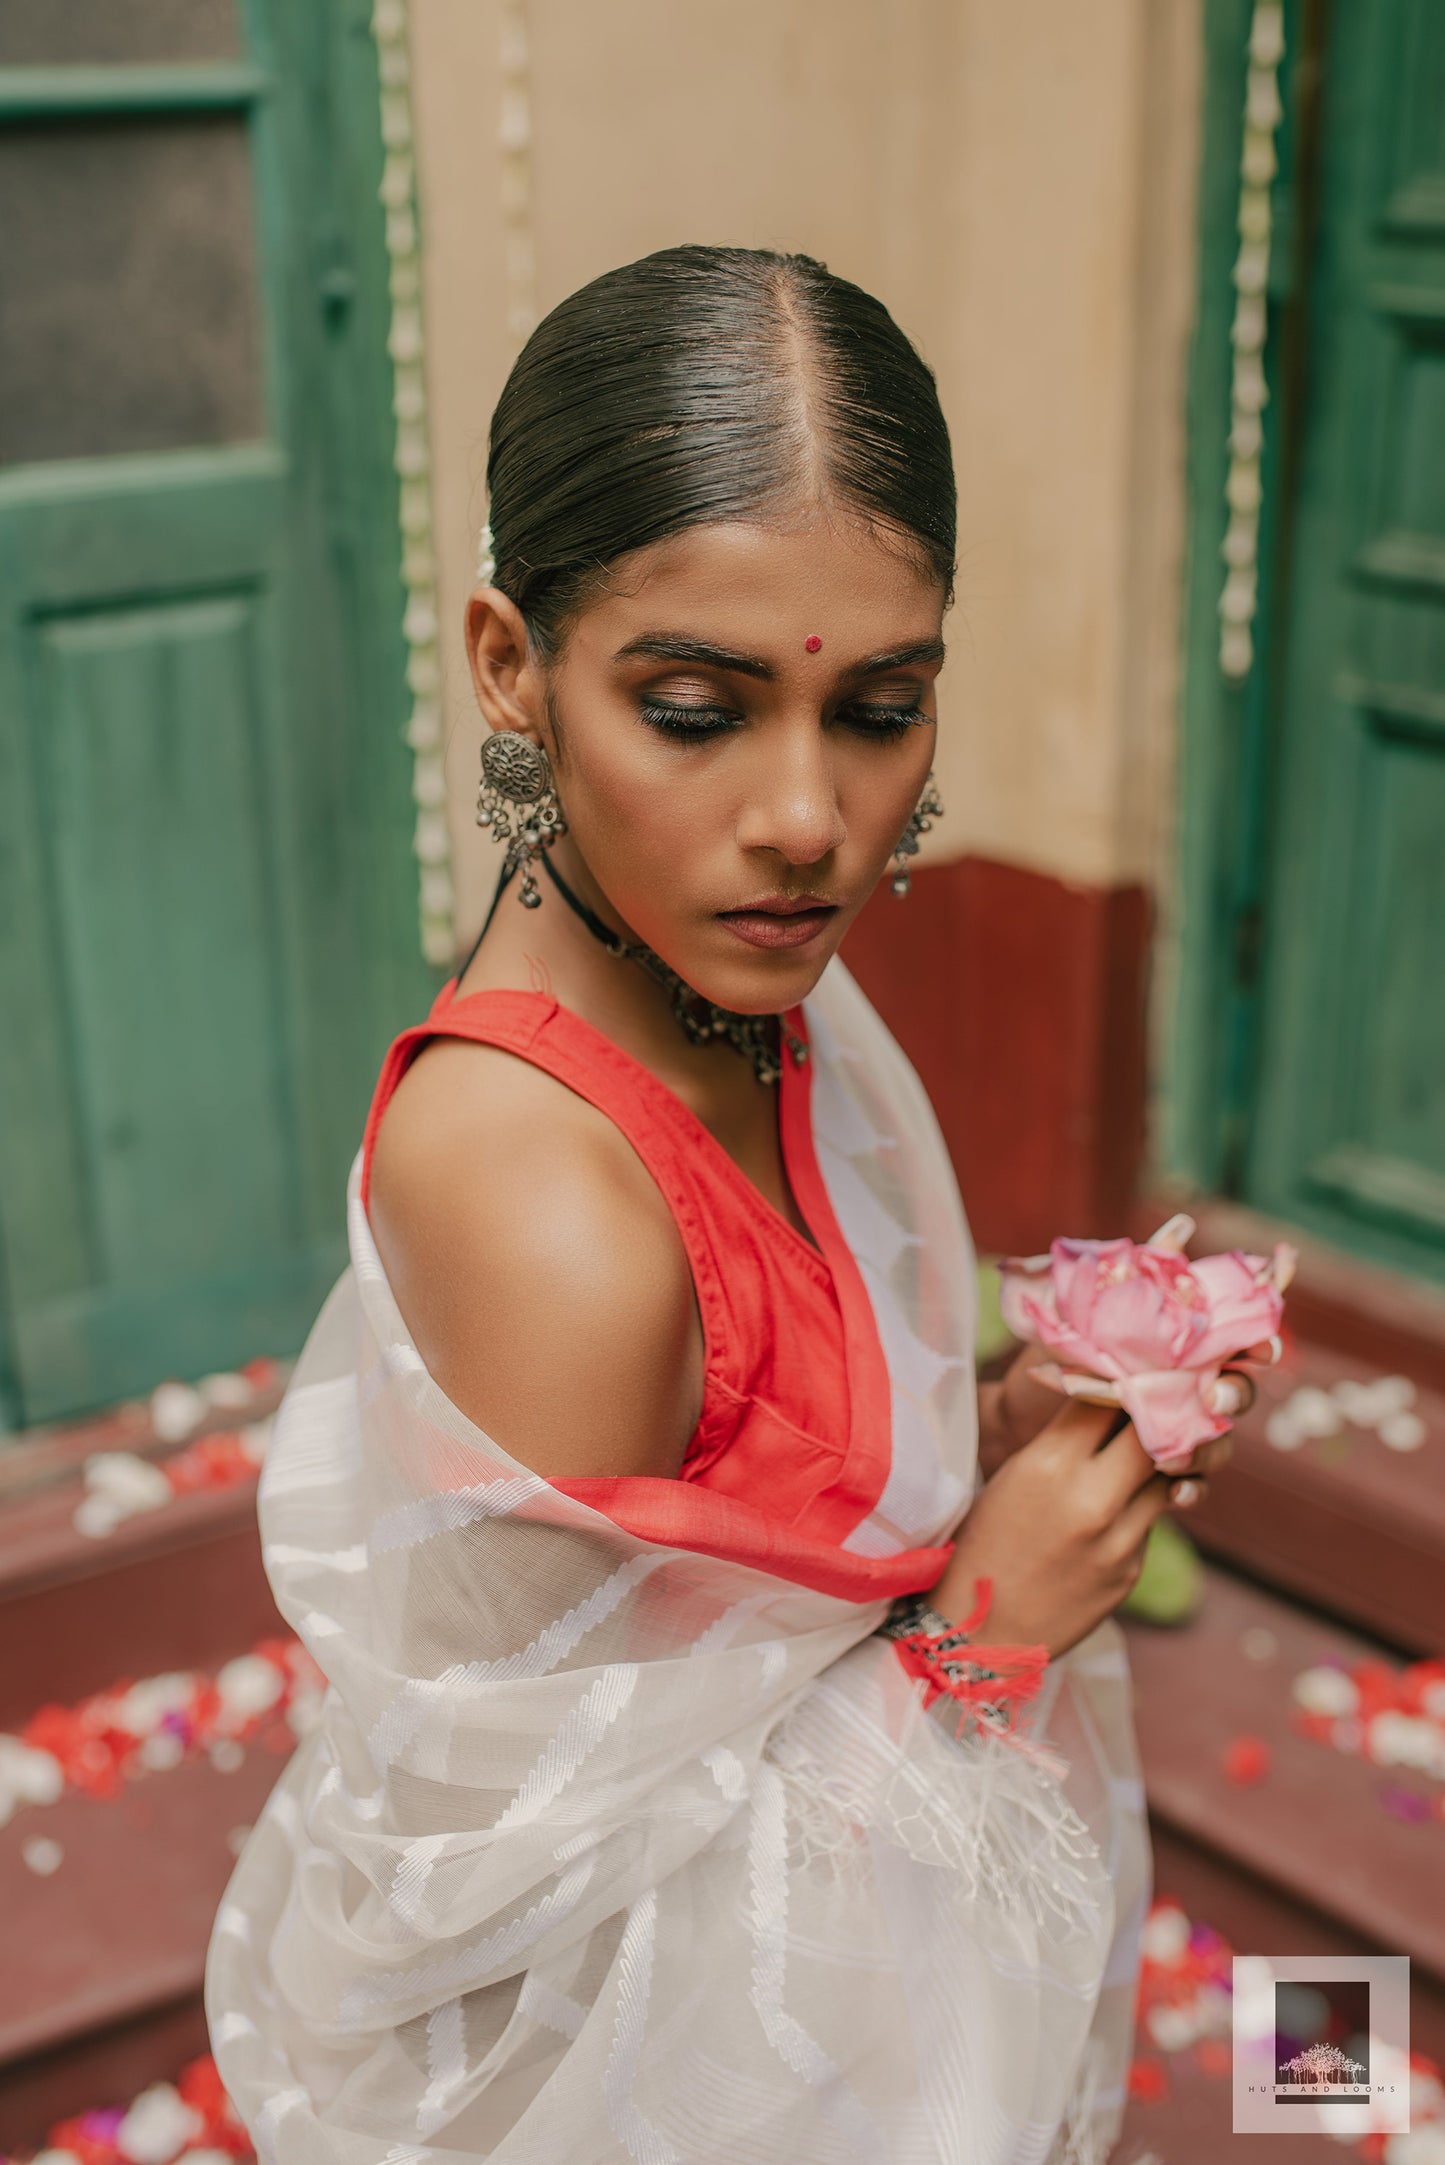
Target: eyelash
{"points": [[889, 722]]}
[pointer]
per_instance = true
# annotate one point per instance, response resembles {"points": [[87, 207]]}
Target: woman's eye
{"points": [[873, 719], [690, 720], [686, 720]]}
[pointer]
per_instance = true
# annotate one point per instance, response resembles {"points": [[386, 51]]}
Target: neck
{"points": [[554, 949]]}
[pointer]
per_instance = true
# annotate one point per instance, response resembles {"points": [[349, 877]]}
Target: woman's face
{"points": [[745, 719]]}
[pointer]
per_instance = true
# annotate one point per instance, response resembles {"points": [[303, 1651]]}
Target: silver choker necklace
{"points": [[759, 1038]]}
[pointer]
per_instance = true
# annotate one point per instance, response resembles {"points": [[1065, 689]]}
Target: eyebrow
{"points": [[671, 647]]}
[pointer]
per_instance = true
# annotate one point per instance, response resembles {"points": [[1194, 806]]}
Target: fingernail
{"points": [[1185, 1493], [1174, 1236], [1226, 1395]]}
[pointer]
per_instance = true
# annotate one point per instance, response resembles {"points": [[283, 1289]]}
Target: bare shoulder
{"points": [[537, 1265]]}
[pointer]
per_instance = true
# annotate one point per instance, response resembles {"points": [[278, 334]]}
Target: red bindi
{"points": [[813, 643]]}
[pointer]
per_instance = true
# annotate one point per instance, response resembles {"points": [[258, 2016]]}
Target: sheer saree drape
{"points": [[605, 1849]]}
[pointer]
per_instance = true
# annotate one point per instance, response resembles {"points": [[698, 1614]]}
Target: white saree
{"points": [[602, 1849]]}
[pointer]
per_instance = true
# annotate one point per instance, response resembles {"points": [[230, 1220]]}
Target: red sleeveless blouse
{"points": [[793, 1445]]}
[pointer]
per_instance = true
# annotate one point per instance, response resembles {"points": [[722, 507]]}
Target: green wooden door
{"points": [[1347, 1135], [206, 892]]}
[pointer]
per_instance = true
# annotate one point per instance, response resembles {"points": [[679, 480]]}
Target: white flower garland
{"points": [[519, 246], [519, 251], [1258, 164], [431, 841]]}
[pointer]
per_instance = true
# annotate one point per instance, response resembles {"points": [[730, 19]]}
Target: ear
{"points": [[506, 677]]}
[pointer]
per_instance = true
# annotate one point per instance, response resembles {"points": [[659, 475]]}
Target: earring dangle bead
{"points": [[928, 808], [518, 803]]}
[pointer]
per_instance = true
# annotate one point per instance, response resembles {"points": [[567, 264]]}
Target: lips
{"points": [[780, 920]]}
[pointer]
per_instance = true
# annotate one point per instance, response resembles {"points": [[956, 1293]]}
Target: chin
{"points": [[764, 982]]}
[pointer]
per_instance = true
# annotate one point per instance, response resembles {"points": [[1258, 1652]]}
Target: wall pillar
{"points": [[1021, 1001]]}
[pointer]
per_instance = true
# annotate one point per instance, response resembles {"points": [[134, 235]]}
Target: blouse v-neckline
{"points": [[791, 1130]]}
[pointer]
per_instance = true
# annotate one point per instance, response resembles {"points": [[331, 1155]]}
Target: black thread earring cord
{"points": [[756, 1037]]}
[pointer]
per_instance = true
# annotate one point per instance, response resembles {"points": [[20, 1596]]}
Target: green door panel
{"points": [[1348, 1129], [156, 710], [207, 908]]}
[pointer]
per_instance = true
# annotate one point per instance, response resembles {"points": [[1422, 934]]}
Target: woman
{"points": [[648, 1403]]}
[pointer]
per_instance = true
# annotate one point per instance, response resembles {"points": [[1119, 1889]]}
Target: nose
{"points": [[792, 801]]}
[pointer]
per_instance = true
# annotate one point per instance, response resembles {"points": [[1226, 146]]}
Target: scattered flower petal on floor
{"points": [[121, 1483], [1166, 1934], [1313, 1412], [270, 1695], [1310, 1414], [1370, 1709], [158, 2126], [1246, 1760], [1148, 2080], [228, 1389], [176, 1410], [1405, 1804], [191, 2120], [1326, 1690], [1281, 1431]]}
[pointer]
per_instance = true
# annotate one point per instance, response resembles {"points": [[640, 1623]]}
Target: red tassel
{"points": [[1019, 1670]]}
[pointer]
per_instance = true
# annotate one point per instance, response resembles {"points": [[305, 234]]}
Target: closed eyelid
{"points": [[690, 703]]}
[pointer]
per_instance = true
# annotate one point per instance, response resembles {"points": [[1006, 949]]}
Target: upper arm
{"points": [[537, 1265]]}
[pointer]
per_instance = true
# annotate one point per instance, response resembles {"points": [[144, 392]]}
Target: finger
{"points": [[1162, 1492], [1131, 1528], [1080, 1427], [1210, 1456], [1122, 1469], [1230, 1394], [1028, 1402]]}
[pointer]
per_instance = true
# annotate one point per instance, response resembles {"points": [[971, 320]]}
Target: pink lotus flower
{"points": [[1146, 1329]]}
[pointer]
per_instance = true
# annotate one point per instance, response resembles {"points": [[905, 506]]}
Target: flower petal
{"points": [[1024, 1288], [1151, 1319], [1244, 1304], [1079, 1267], [1169, 1414], [1028, 1307]]}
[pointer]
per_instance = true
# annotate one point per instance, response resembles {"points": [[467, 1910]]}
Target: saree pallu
{"points": [[622, 1835]]}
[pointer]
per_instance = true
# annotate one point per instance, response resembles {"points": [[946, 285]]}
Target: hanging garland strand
{"points": [[519, 251], [519, 246], [1239, 598], [431, 841]]}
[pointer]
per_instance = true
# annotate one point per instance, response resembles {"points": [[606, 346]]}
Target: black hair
{"points": [[700, 384]]}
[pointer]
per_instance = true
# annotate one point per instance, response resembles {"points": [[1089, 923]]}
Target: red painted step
{"points": [[1343, 1522], [1310, 1849], [177, 1587], [105, 1956]]}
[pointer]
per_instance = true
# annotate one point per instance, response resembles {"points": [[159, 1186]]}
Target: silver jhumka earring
{"points": [[518, 802], [928, 808]]}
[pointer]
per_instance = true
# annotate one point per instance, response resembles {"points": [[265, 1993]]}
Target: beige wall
{"points": [[1016, 184]]}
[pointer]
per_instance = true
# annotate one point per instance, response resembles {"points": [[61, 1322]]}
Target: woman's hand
{"points": [[1012, 1410], [1060, 1528]]}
